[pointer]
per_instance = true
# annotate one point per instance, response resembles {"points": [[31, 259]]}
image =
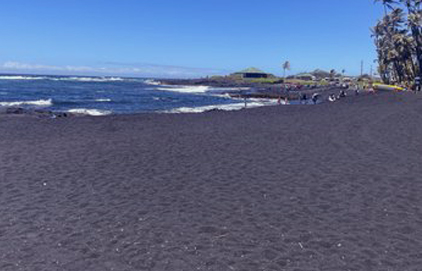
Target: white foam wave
{"points": [[20, 77], [88, 79], [185, 89], [252, 103], [231, 89], [103, 100], [226, 95], [90, 112], [77, 79], [215, 91], [42, 103], [152, 82]]}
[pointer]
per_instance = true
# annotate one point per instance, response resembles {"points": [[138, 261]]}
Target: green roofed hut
{"points": [[306, 77], [253, 73]]}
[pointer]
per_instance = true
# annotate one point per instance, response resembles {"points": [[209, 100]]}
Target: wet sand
{"points": [[327, 187]]}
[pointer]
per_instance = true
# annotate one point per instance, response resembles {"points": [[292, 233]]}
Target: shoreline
{"points": [[252, 100]]}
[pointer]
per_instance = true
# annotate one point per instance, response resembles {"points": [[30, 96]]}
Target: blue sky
{"points": [[184, 38]]}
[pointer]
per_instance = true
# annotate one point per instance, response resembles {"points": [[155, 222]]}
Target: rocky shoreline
{"points": [[249, 89], [41, 113], [222, 83], [266, 92]]}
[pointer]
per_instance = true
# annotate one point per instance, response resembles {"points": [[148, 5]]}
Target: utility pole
{"points": [[361, 68], [371, 72]]}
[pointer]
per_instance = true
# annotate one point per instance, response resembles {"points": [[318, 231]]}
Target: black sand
{"points": [[327, 187]]}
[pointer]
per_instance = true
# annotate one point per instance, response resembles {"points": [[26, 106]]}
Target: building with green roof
{"points": [[305, 76], [253, 73]]}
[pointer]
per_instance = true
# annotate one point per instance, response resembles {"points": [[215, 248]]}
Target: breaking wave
{"points": [[152, 82], [90, 112], [103, 100], [55, 78], [224, 107], [20, 77], [185, 89], [41, 103], [88, 79]]}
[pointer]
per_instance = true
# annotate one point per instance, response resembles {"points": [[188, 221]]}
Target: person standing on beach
{"points": [[315, 97], [342, 94], [332, 98], [417, 84], [303, 98], [357, 89]]}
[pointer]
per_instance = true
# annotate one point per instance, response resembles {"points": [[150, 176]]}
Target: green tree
{"points": [[398, 39], [414, 23]]}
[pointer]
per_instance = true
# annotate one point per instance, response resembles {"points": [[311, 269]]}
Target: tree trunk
{"points": [[399, 74], [416, 32], [417, 35]]}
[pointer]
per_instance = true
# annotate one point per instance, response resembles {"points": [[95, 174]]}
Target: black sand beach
{"points": [[328, 187]]}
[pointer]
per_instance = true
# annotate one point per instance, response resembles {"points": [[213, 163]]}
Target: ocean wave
{"points": [[185, 89], [41, 103], [230, 89], [225, 95], [252, 103], [55, 78], [152, 82], [90, 112], [21, 77], [216, 91], [87, 79], [80, 102], [163, 99]]}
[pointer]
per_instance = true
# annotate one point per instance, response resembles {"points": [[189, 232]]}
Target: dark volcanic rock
{"points": [[42, 113], [16, 110]]}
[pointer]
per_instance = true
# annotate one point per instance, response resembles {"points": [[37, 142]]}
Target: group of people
{"points": [[332, 97], [316, 97]]}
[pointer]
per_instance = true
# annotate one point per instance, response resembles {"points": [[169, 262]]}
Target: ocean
{"points": [[114, 95]]}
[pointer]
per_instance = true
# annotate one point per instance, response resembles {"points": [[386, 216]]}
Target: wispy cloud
{"points": [[113, 68]]}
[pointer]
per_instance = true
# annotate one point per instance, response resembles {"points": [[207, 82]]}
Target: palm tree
{"points": [[414, 23], [397, 48], [286, 66], [404, 46], [388, 4], [332, 73]]}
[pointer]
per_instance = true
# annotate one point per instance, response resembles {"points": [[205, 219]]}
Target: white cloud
{"points": [[139, 70]]}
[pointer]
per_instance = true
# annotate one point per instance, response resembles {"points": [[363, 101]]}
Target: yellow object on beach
{"points": [[387, 87]]}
